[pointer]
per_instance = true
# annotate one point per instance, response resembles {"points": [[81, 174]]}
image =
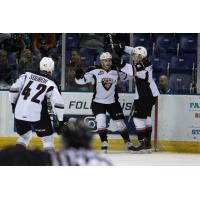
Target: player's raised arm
{"points": [[128, 69], [124, 76], [82, 79]]}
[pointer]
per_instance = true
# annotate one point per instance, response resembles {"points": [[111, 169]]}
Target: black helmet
{"points": [[76, 134]]}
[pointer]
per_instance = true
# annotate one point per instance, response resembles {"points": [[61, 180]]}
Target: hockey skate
{"points": [[130, 146], [140, 149], [104, 146]]}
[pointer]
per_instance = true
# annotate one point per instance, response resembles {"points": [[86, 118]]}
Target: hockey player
{"points": [[146, 93], [105, 98], [28, 96]]}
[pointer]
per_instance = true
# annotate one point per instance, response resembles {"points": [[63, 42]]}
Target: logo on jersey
{"points": [[107, 83], [101, 72]]}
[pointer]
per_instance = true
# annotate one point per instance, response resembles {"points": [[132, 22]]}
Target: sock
{"points": [[148, 134], [103, 135], [24, 139], [48, 142], [125, 135], [141, 135]]}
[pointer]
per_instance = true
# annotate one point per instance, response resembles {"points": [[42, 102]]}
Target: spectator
{"points": [[76, 63], [13, 44], [57, 66], [5, 70], [28, 61], [164, 85], [4, 36], [44, 42], [76, 59]]}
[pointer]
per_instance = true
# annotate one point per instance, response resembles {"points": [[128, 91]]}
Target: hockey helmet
{"points": [[141, 51], [47, 64], [105, 55]]}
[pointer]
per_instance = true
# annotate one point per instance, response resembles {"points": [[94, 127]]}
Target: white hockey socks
{"points": [[24, 139], [48, 142]]}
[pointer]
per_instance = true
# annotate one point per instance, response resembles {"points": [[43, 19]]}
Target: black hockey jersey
{"points": [[145, 84]]}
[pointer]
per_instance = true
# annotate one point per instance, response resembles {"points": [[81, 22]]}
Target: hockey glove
{"points": [[119, 49], [79, 74], [58, 129], [118, 63]]}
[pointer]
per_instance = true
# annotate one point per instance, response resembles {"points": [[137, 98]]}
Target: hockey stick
{"points": [[53, 116], [114, 52], [131, 113], [117, 68]]}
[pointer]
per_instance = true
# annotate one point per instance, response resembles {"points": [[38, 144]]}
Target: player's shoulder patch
{"points": [[101, 72]]}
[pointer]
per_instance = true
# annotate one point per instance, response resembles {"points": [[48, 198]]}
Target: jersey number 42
{"points": [[27, 91]]}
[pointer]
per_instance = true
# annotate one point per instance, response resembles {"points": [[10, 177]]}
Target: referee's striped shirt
{"points": [[78, 157]]}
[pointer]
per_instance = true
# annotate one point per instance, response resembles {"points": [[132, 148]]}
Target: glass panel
{"points": [[173, 57]]}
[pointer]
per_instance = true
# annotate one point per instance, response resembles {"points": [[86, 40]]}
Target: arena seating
{"points": [[176, 56], [172, 54], [72, 41]]}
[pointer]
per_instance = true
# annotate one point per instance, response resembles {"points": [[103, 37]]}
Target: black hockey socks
{"points": [[141, 135], [148, 137], [103, 135], [125, 135]]}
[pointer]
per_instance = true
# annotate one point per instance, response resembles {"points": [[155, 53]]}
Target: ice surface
{"points": [[154, 159]]}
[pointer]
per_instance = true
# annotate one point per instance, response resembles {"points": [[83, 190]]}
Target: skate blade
{"points": [[143, 151], [149, 151]]}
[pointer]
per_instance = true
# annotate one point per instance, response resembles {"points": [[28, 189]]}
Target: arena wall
{"points": [[178, 125]]}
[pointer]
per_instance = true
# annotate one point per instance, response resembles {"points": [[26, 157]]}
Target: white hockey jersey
{"points": [[105, 83], [29, 93]]}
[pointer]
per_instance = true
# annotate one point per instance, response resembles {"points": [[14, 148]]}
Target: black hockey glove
{"points": [[119, 49], [118, 63], [13, 107], [58, 129], [79, 74]]}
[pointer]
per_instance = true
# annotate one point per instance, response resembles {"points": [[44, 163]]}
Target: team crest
{"points": [[107, 83]]}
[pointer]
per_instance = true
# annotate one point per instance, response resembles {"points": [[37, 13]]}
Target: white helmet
{"points": [[47, 64], [105, 55], [141, 51]]}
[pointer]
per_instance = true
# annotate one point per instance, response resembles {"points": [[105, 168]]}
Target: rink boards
{"points": [[116, 144], [178, 122]]}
